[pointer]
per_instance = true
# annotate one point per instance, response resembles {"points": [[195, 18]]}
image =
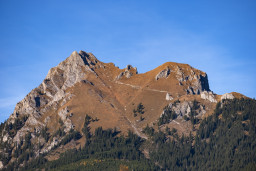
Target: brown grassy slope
{"points": [[112, 101]]}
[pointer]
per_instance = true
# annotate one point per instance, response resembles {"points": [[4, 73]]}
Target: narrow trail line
{"points": [[138, 132], [176, 122], [133, 86], [161, 91], [138, 87]]}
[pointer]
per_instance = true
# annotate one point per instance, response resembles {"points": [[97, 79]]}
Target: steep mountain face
{"points": [[113, 97]]}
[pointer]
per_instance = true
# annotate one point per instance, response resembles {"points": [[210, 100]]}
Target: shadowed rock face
{"points": [[199, 85], [204, 83], [163, 74]]}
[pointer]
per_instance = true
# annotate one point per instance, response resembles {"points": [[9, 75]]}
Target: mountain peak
{"points": [[81, 84], [81, 58], [74, 53], [88, 58]]}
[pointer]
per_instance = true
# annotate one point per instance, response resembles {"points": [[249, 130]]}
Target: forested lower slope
{"points": [[226, 140]]}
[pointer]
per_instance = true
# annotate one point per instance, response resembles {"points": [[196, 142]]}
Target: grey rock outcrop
{"points": [[1, 165], [163, 74], [54, 142], [181, 109], [208, 95], [198, 82], [227, 96], [68, 73], [5, 138], [64, 115], [179, 74], [185, 107], [128, 72], [168, 96]]}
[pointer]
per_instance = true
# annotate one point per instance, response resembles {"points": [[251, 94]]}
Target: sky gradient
{"points": [[217, 37]]}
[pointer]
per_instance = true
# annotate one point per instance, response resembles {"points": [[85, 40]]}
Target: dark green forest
{"points": [[226, 140]]}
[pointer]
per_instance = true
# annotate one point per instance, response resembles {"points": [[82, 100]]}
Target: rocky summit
{"points": [[121, 99]]}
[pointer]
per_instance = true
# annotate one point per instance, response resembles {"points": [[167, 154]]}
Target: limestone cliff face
{"points": [[193, 80], [48, 95]]}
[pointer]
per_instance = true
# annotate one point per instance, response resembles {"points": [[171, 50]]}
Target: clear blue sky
{"points": [[218, 37]]}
